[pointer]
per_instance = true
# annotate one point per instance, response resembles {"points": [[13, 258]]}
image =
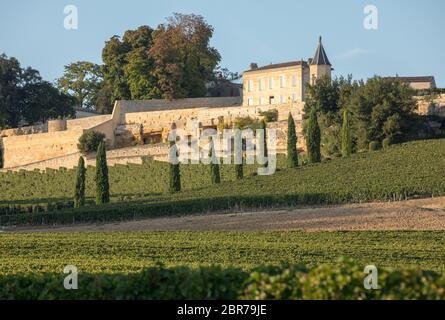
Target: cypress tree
{"points": [[102, 184], [262, 145], [214, 166], [174, 173], [313, 139], [292, 153], [238, 141], [346, 143], [79, 193], [1, 153]]}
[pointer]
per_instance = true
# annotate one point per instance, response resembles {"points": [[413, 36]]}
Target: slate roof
{"points": [[279, 65], [320, 56]]}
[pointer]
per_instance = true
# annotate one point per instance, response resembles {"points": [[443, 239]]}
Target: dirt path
{"points": [[421, 214]]}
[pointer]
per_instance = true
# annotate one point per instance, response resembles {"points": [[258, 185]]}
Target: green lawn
{"points": [[132, 251]]}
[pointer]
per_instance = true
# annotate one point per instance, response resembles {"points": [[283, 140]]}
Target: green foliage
{"points": [[374, 146], [82, 80], [222, 265], [129, 252], [387, 142], [346, 142], [292, 152], [371, 178], [1, 152], [89, 141], [262, 142], [25, 96], [246, 123], [183, 59], [313, 138], [102, 183], [342, 281], [214, 163], [175, 171], [79, 194], [269, 115]]}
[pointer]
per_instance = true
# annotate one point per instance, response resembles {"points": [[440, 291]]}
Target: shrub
{"points": [[374, 146], [246, 122], [89, 141], [387, 142], [269, 115], [79, 193], [102, 184], [342, 280]]}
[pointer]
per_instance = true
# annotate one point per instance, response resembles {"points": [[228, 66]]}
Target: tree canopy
{"points": [[24, 96]]}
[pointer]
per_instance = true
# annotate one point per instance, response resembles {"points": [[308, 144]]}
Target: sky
{"points": [[408, 40]]}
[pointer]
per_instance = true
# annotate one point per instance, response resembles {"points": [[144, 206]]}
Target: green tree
{"points": [[238, 147], [82, 80], [184, 61], [89, 141], [1, 152], [128, 68], [174, 169], [346, 142], [262, 142], [292, 152], [382, 107], [214, 163], [24, 96], [313, 138], [79, 193], [102, 184]]}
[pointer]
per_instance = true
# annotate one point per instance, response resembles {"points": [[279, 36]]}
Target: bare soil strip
{"points": [[419, 214]]}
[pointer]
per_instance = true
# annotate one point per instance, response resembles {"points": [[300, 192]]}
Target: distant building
{"points": [[284, 82], [418, 83], [85, 113]]}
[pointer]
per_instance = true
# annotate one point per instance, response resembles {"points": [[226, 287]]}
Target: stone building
{"points": [[284, 82], [418, 83]]}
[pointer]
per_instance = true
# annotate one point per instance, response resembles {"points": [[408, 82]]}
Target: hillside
{"points": [[397, 173]]}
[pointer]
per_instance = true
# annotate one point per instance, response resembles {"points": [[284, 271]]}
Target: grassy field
{"points": [[132, 251]]}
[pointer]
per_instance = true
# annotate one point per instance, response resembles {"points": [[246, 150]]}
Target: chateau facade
{"points": [[283, 83]]}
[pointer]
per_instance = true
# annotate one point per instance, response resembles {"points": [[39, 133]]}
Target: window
{"points": [[294, 80], [261, 85], [250, 102], [282, 81], [271, 100], [270, 83], [294, 97], [261, 101], [282, 99], [249, 85]]}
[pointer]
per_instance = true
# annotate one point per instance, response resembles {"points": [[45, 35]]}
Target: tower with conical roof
{"points": [[319, 66]]}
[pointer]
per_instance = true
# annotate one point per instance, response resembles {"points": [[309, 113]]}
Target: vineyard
{"points": [[396, 173], [132, 251]]}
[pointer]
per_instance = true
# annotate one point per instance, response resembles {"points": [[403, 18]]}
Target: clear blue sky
{"points": [[409, 39]]}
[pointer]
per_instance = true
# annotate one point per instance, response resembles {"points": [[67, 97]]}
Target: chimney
{"points": [[253, 66]]}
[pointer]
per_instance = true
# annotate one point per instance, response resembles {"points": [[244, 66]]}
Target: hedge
{"points": [[343, 280]]}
